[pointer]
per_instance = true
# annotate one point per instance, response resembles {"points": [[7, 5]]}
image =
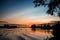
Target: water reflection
{"points": [[33, 33], [26, 33], [41, 29], [40, 32], [48, 29], [33, 27]]}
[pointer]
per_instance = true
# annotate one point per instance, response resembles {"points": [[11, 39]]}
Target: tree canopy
{"points": [[53, 6]]}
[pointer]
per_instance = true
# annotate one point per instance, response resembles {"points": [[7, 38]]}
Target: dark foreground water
{"points": [[24, 34]]}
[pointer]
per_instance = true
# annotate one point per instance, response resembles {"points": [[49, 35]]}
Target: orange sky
{"points": [[30, 22], [24, 13]]}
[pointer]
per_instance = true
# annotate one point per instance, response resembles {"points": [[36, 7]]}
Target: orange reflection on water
{"points": [[40, 32]]}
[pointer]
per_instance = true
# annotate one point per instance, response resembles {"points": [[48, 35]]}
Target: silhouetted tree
{"points": [[48, 26], [53, 5], [33, 27], [44, 27], [56, 32]]}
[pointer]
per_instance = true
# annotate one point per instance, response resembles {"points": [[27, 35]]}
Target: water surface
{"points": [[24, 33]]}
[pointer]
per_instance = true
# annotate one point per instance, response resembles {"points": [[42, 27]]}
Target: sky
{"points": [[23, 12]]}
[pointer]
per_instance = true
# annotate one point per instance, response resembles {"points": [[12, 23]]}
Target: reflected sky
{"points": [[26, 33], [23, 12]]}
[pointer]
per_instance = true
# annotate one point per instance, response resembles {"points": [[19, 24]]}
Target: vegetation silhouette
{"points": [[55, 28], [8, 26], [41, 27], [53, 5], [33, 27], [56, 32]]}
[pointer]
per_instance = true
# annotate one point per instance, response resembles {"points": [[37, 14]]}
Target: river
{"points": [[24, 33]]}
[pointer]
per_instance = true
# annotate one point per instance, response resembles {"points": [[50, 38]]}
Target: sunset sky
{"points": [[23, 12]]}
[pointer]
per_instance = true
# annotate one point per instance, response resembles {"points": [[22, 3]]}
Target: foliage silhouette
{"points": [[53, 5], [8, 26], [33, 27], [55, 28], [56, 32]]}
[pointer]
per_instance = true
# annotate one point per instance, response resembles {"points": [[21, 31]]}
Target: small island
{"points": [[8, 26]]}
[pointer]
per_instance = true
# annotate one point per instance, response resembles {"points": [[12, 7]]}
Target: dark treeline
{"points": [[42, 26], [8, 26], [45, 26], [56, 32], [55, 28]]}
